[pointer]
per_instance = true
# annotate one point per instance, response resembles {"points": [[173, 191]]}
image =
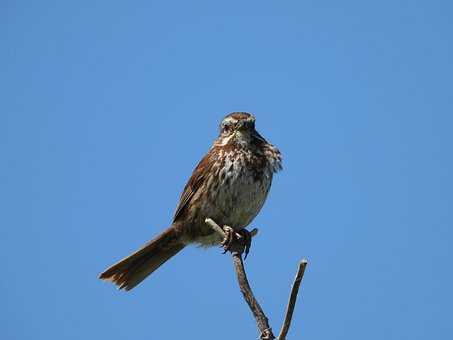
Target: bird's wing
{"points": [[195, 182]]}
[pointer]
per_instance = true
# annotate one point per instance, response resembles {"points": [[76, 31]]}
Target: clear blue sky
{"points": [[106, 108]]}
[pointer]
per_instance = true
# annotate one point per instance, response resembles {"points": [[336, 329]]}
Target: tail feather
{"points": [[132, 270]]}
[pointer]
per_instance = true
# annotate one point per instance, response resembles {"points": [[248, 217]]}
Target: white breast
{"points": [[241, 193]]}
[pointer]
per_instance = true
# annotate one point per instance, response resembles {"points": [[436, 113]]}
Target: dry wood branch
{"points": [[292, 300], [261, 319]]}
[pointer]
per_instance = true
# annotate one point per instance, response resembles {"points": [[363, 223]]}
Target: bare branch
{"points": [[261, 320], [244, 286], [210, 222], [220, 231], [292, 299]]}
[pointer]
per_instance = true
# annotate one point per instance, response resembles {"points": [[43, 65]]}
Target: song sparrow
{"points": [[229, 185]]}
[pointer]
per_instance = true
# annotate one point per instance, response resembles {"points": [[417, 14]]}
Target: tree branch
{"points": [[261, 319], [292, 300]]}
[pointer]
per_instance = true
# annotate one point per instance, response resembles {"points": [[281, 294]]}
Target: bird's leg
{"points": [[239, 241], [247, 240], [230, 236]]}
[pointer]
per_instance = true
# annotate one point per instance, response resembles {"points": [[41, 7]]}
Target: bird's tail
{"points": [[133, 269]]}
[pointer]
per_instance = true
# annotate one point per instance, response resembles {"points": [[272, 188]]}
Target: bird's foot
{"points": [[236, 241], [267, 334], [246, 240], [230, 236]]}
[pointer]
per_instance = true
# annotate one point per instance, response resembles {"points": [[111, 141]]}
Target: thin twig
{"points": [[261, 320], [292, 300], [218, 229], [215, 226]]}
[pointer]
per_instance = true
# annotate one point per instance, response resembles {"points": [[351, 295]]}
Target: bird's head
{"points": [[239, 127]]}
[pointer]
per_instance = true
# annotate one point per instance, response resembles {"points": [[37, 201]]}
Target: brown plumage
{"points": [[229, 185], [132, 270]]}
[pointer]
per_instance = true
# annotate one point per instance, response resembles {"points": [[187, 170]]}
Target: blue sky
{"points": [[107, 107]]}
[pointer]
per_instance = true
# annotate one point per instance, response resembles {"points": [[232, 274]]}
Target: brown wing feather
{"points": [[195, 182]]}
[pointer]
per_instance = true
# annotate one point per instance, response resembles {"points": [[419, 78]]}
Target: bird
{"points": [[229, 185]]}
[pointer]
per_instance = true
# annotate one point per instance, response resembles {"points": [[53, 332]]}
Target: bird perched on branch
{"points": [[229, 185]]}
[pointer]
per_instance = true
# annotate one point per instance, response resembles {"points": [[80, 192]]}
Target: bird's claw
{"points": [[243, 238], [247, 241], [230, 236]]}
